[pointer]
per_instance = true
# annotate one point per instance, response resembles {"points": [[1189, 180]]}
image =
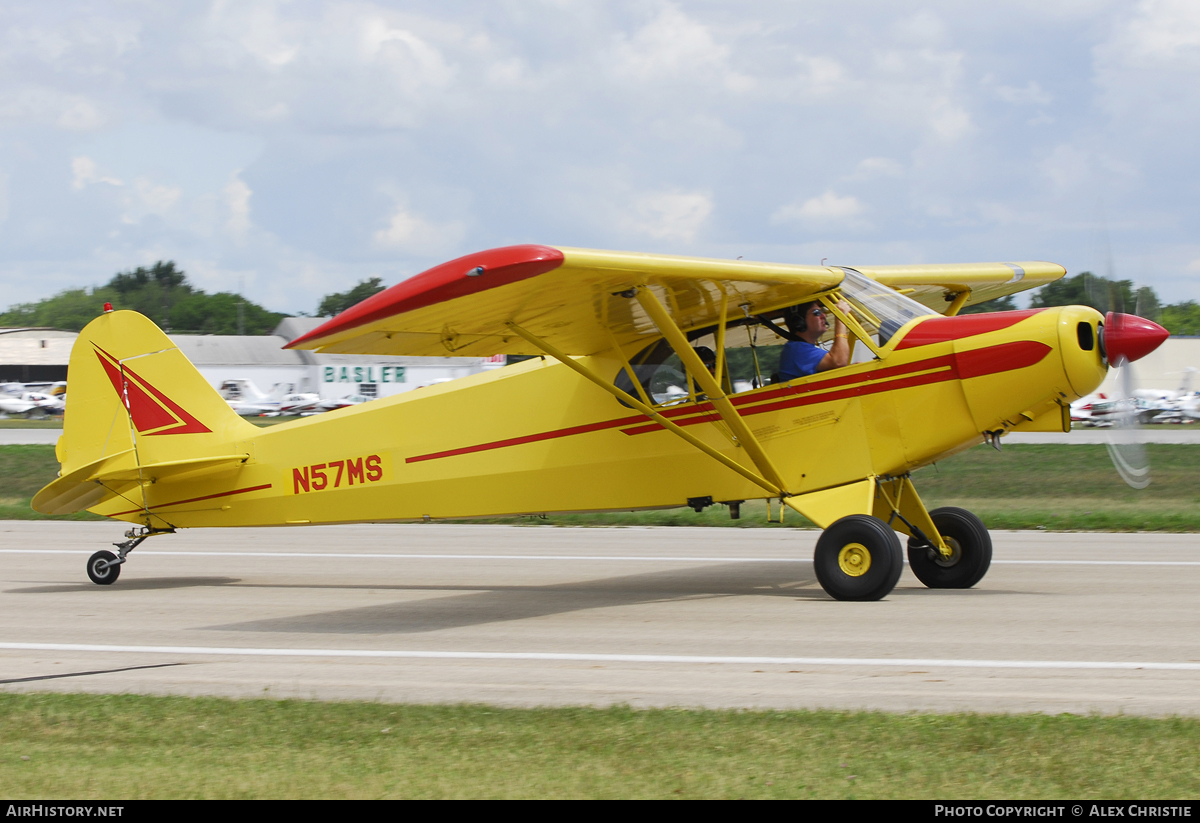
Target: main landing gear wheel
{"points": [[971, 548], [103, 568], [858, 558]]}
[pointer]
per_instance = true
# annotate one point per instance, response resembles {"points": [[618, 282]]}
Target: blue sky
{"points": [[295, 148]]}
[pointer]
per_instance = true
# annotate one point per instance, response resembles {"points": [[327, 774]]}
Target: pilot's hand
{"points": [[844, 308]]}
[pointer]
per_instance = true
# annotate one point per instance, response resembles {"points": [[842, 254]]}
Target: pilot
{"points": [[801, 355]]}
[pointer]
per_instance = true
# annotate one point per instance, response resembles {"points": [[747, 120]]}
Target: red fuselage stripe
{"points": [[977, 363]]}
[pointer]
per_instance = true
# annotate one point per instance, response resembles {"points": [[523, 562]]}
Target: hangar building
{"points": [[36, 355]]}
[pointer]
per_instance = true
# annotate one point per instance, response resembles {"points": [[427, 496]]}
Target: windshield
{"points": [[881, 309], [752, 350]]}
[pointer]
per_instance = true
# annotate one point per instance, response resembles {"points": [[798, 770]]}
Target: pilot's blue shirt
{"points": [[799, 359]]}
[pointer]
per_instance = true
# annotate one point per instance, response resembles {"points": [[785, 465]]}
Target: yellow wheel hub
{"points": [[854, 559]]}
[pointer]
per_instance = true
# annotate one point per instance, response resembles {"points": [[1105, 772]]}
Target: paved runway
{"points": [[649, 617]]}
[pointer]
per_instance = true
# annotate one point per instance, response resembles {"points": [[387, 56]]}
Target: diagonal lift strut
{"points": [[716, 395], [772, 488]]}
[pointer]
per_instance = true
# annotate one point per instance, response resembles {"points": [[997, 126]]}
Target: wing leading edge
{"points": [[572, 298]]}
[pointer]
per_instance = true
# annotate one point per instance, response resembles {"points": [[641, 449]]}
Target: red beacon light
{"points": [[108, 308]]}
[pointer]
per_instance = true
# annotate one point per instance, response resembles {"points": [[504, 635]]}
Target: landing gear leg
{"points": [[971, 551], [948, 548], [104, 567]]}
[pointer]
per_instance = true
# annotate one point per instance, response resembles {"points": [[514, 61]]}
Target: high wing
{"points": [[572, 299], [937, 285]]}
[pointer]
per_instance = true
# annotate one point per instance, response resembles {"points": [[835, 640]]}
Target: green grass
{"points": [[25, 470], [1057, 487], [18, 423], [129, 747], [1067, 487]]}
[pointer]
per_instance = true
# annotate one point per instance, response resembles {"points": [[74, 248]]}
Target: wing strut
{"points": [[679, 342], [775, 489]]}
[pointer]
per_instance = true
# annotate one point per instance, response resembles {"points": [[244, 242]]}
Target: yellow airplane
{"points": [[619, 411]]}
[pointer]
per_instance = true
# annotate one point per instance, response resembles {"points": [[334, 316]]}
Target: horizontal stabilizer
{"points": [[177, 469], [79, 489], [114, 475]]}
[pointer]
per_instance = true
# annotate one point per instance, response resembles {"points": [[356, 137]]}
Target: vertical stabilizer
{"points": [[130, 388]]}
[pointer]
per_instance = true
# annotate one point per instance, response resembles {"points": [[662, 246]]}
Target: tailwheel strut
{"points": [[104, 567]]}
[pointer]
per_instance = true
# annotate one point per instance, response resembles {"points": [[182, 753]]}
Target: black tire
{"points": [[858, 558], [107, 575], [967, 537]]}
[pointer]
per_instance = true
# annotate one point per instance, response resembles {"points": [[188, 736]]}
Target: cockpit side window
{"points": [[660, 372], [666, 382]]}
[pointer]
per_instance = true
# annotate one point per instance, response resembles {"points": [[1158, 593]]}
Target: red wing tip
{"points": [[464, 275]]}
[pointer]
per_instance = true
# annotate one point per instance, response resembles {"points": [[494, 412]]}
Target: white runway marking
{"points": [[631, 558], [606, 658], [375, 556]]}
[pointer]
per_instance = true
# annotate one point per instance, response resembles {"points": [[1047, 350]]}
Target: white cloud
{"points": [[872, 167], [821, 75], [676, 47], [237, 199], [826, 208], [409, 232], [257, 29], [508, 72], [1030, 94], [43, 104], [672, 44], [671, 215], [950, 121], [152, 198], [416, 63], [1067, 168], [84, 172], [1163, 31], [1073, 169], [254, 136], [701, 130], [922, 27]]}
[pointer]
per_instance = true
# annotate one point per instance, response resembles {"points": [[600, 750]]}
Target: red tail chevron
{"points": [[152, 411]]}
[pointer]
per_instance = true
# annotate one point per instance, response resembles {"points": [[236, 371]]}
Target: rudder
{"points": [[134, 399]]}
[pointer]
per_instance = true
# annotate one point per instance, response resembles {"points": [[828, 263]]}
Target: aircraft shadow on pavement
{"points": [[483, 605], [148, 584]]}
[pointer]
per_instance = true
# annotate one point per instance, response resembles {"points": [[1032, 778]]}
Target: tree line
{"points": [[162, 293]]}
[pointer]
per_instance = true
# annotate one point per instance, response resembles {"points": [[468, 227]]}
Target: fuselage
{"points": [[536, 437]]}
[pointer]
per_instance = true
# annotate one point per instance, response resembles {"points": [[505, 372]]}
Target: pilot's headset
{"points": [[796, 317]]}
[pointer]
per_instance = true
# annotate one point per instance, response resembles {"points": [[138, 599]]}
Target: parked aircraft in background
{"points": [[30, 404], [1181, 405], [335, 403], [299, 403]]}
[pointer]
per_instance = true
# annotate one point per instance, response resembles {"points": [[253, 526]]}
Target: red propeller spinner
{"points": [[1129, 337]]}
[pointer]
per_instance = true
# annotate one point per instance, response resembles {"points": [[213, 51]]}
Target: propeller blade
{"points": [[1125, 446]]}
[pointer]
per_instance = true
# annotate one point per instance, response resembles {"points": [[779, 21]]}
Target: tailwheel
{"points": [[970, 546], [103, 567], [858, 558]]}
